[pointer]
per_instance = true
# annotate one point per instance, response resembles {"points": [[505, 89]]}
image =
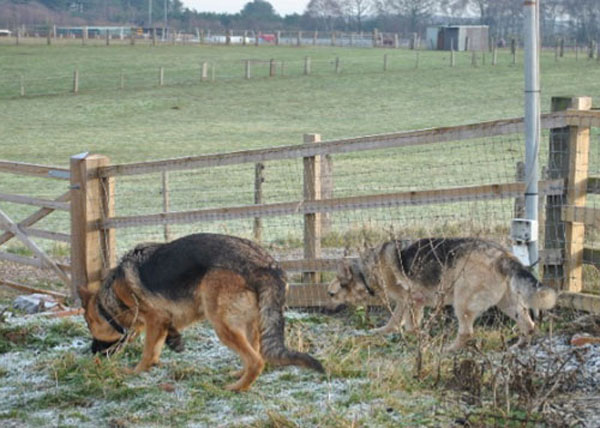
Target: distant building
{"points": [[5, 33], [458, 37]]}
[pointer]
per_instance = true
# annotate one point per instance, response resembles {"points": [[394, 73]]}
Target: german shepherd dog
{"points": [[470, 274], [162, 288]]}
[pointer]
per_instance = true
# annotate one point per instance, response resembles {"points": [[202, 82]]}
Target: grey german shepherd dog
{"points": [[470, 274]]}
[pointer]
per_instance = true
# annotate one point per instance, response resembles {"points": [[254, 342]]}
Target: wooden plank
{"points": [[47, 261], [46, 234], [28, 261], [416, 198], [586, 118], [35, 217], [31, 290], [372, 142], [580, 301], [305, 295], [39, 233], [36, 202], [585, 215], [331, 264], [579, 147], [34, 170], [304, 265]]}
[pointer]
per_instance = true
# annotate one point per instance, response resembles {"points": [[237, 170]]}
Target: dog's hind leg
{"points": [[156, 334], [465, 328], [236, 340]]}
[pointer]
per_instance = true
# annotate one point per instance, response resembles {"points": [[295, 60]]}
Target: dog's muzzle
{"points": [[100, 347]]}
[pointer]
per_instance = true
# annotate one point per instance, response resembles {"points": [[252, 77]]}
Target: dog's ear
{"points": [[343, 270], [84, 295]]}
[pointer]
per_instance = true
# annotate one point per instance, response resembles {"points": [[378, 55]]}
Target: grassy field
{"points": [[190, 117], [47, 375]]}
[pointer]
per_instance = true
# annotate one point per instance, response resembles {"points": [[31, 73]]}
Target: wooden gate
{"points": [[23, 230]]}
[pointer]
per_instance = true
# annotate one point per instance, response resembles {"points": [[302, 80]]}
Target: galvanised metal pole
{"points": [[532, 120]]}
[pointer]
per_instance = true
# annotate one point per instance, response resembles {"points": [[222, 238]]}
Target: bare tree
{"points": [[357, 10], [415, 12], [585, 18], [326, 11]]}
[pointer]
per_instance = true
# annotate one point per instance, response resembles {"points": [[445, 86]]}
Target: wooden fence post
{"points": [[247, 71], [166, 202], [161, 76], [76, 81], [513, 50], [494, 55], [307, 65], [259, 179], [93, 250], [562, 47], [107, 38], [272, 68], [385, 62], [337, 65], [568, 159], [312, 221], [204, 71]]}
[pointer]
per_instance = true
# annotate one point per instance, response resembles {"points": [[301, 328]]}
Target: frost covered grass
{"points": [[49, 377]]}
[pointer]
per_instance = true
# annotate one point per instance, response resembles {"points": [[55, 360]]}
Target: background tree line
{"points": [[575, 19]]}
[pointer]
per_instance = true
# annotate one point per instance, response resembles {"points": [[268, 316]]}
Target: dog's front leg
{"points": [[393, 322], [156, 334]]}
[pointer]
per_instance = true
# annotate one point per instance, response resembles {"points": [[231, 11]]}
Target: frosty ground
{"points": [[48, 377]]}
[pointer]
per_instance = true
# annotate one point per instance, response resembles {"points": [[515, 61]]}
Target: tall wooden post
{"points": [[204, 71], [161, 76], [385, 62], [76, 81], [166, 202], [259, 179], [247, 71], [306, 65], [93, 250], [312, 221], [272, 68], [568, 159], [337, 65]]}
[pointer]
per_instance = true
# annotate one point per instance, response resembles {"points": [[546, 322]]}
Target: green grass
{"points": [[189, 117], [370, 381]]}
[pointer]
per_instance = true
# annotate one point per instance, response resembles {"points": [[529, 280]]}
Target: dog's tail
{"points": [[536, 294], [271, 298]]}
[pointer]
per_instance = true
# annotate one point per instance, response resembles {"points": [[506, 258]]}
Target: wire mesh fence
{"points": [[452, 182]]}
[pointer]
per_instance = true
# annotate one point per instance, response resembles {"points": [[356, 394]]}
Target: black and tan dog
{"points": [[162, 288]]}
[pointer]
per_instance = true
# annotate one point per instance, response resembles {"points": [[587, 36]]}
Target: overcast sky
{"points": [[282, 7]]}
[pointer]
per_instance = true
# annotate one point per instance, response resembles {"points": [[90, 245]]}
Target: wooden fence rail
{"points": [[91, 199]]}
